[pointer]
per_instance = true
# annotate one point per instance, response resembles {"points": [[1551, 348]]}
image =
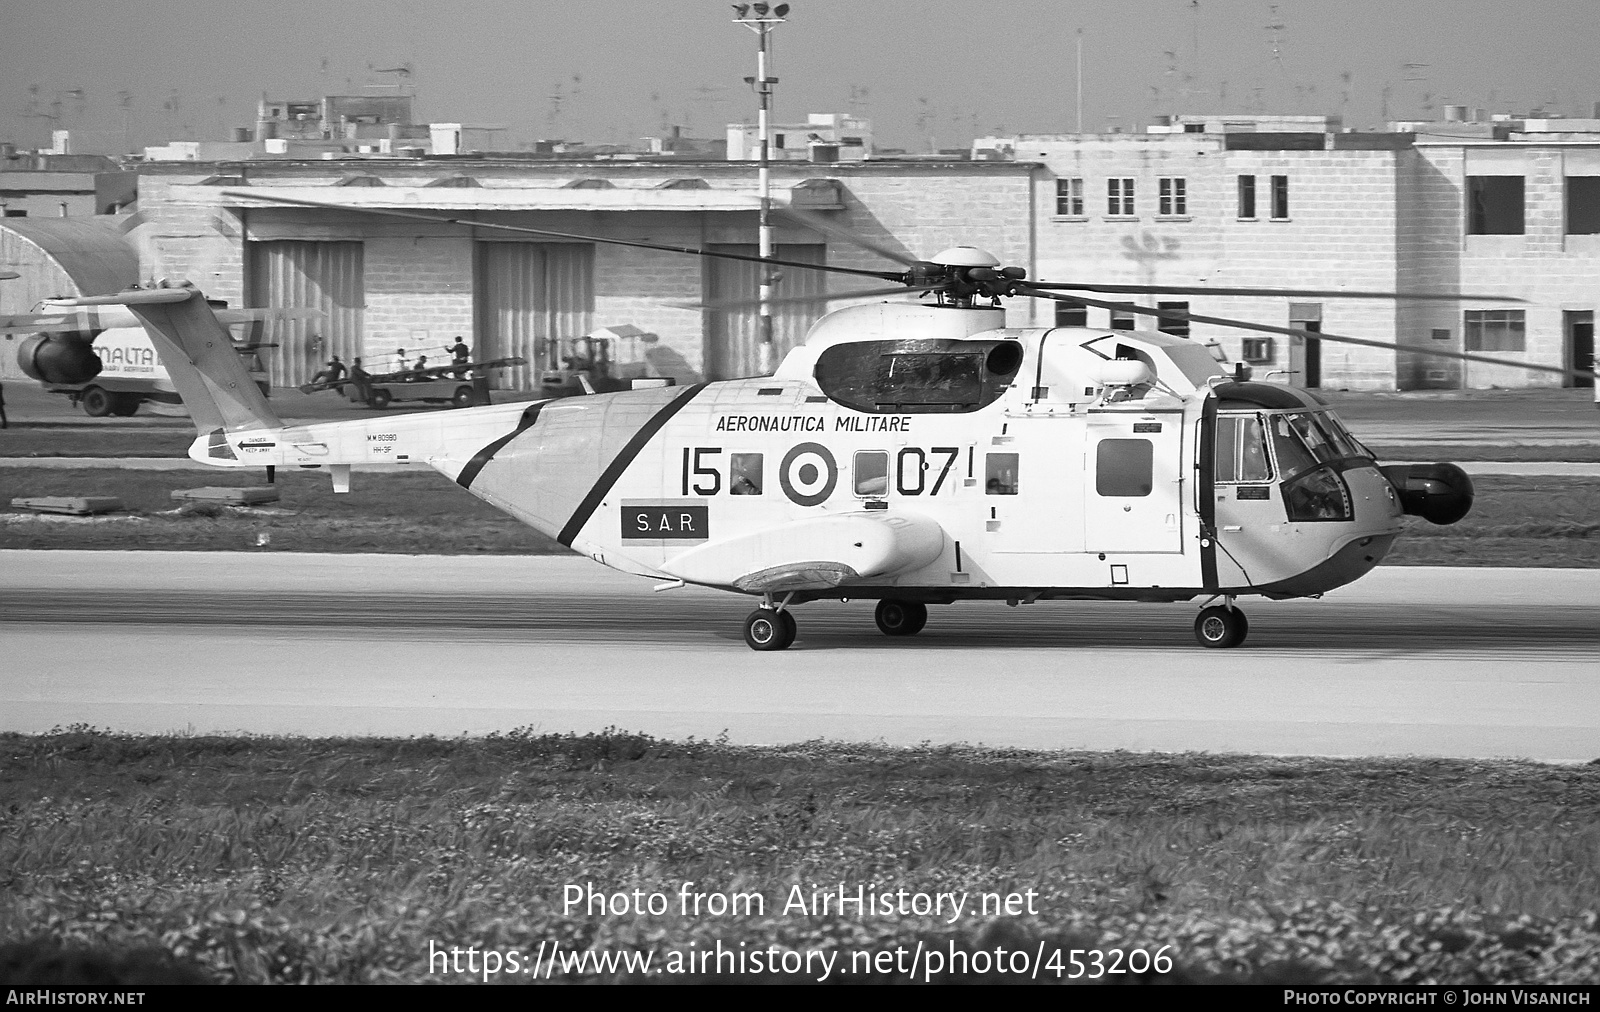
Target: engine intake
{"points": [[1438, 493], [59, 358]]}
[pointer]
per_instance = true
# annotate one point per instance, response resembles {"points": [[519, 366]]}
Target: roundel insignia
{"points": [[808, 474]]}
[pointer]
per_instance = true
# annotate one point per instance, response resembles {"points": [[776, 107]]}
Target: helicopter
{"points": [[912, 453]]}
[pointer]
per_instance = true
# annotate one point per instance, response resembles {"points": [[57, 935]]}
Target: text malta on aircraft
{"points": [[910, 453]]}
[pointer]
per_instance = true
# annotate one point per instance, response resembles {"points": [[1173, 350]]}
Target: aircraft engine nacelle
{"points": [[59, 358], [1438, 493]]}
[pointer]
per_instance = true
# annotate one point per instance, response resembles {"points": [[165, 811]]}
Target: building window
{"points": [[1280, 196], [1440, 333], [1583, 205], [1247, 196], [1068, 315], [1496, 329], [1119, 197], [777, 141], [1069, 197], [1194, 128], [1174, 195], [1257, 350], [1121, 319], [1167, 325], [1494, 205]]}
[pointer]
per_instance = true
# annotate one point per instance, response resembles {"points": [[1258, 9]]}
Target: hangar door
{"points": [[733, 336], [531, 297], [326, 276]]}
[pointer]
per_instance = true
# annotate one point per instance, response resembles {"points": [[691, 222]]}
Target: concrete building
{"points": [[62, 186], [387, 284], [823, 137], [334, 126], [1512, 209]]}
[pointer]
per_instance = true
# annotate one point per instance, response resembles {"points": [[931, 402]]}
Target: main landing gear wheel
{"points": [[1219, 626], [901, 618], [769, 629], [97, 403]]}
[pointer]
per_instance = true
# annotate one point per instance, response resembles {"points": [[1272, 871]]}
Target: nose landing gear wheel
{"points": [[901, 618], [767, 629], [1221, 627]]}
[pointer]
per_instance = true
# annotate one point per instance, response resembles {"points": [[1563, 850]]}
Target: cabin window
{"points": [[915, 377], [872, 472], [1124, 467], [1000, 474], [1242, 449], [744, 474]]}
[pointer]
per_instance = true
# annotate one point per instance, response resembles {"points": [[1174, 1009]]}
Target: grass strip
{"points": [[271, 859]]}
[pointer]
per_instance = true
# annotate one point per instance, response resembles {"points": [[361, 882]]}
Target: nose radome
{"points": [[1438, 493]]}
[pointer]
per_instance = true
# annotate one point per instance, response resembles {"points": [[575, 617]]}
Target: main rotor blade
{"points": [[1173, 314], [816, 221], [800, 300], [473, 223], [1060, 286]]}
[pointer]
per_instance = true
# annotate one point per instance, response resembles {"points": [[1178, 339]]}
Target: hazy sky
{"points": [[930, 73]]}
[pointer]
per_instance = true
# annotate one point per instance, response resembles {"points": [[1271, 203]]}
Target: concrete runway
{"points": [[1453, 662]]}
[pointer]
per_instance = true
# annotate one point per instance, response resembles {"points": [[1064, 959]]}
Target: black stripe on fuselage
{"points": [[470, 473], [1207, 491], [646, 432]]}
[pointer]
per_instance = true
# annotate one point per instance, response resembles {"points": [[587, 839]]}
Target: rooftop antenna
{"points": [[1080, 79], [1414, 75], [1275, 27]]}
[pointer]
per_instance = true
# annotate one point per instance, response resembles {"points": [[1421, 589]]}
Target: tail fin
{"points": [[198, 354]]}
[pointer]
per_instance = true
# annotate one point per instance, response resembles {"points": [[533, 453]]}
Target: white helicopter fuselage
{"points": [[997, 463]]}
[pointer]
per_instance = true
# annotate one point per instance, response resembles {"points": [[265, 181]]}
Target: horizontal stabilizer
{"points": [[132, 297], [816, 554]]}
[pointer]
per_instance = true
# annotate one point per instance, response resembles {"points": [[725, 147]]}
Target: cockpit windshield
{"points": [[1303, 440]]}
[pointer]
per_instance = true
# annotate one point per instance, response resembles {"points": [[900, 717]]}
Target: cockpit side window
{"points": [[1242, 449]]}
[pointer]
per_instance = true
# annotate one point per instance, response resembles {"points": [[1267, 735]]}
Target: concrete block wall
{"points": [[1552, 271], [1340, 233], [188, 235], [418, 296]]}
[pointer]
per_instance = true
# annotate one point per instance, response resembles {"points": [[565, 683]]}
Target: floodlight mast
{"points": [[761, 19]]}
